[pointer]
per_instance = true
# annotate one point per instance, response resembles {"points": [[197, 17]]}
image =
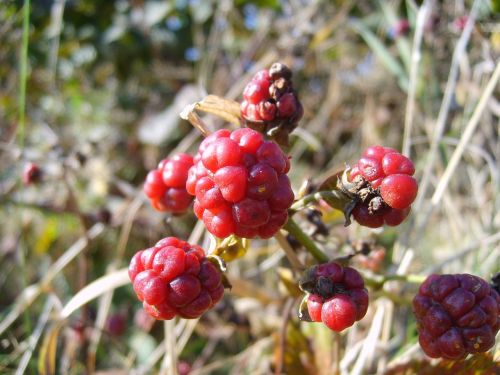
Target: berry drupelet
{"points": [[174, 278], [166, 185], [240, 184], [338, 296], [456, 315], [384, 186]]}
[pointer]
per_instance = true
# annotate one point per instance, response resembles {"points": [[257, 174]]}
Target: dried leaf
{"points": [[95, 289], [298, 358], [231, 248], [229, 110], [304, 311], [288, 281]]}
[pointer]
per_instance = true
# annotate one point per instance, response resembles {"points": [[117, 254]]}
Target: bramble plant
{"points": [[241, 189], [249, 187]]}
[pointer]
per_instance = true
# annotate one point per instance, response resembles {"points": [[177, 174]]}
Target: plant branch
{"points": [[328, 195], [306, 241]]}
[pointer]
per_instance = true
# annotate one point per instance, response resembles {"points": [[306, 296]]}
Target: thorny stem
{"points": [[306, 241]]}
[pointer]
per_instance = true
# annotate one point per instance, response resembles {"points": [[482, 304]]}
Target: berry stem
{"points": [[377, 281], [306, 241], [328, 195]]}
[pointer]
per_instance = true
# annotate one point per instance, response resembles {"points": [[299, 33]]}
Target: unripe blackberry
{"points": [[166, 185], [270, 100], [384, 187], [240, 184], [456, 315], [338, 296], [174, 278]]}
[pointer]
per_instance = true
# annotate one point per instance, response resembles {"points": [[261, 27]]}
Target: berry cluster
{"points": [[338, 296], [384, 186], [456, 315], [240, 184], [175, 278], [166, 185], [269, 98]]}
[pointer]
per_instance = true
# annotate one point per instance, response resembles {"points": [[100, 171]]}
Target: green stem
{"points": [[379, 281], [331, 196], [292, 228]]}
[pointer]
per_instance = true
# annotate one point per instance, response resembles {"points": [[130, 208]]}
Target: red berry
{"points": [[31, 174], [271, 98], [344, 299], [363, 216], [240, 185], [394, 217], [338, 312], [399, 190], [287, 105], [377, 152], [456, 315], [175, 170], [394, 163], [116, 324], [267, 111], [370, 168], [388, 174], [175, 278], [166, 185], [256, 91]]}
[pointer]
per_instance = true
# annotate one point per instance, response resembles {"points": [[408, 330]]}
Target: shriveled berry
{"points": [[171, 279], [270, 98]]}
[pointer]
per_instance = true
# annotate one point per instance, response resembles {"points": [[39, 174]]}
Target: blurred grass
{"points": [[95, 100]]}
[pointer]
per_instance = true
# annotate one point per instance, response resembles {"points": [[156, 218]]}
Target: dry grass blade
{"points": [[439, 128], [33, 291], [35, 336], [96, 289], [416, 55], [466, 136]]}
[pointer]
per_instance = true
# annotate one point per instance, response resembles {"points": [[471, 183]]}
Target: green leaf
{"points": [[382, 52]]}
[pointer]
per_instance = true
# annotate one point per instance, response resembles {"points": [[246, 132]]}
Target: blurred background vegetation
{"points": [[91, 92]]}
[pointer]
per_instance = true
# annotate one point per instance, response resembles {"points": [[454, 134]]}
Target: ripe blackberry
{"points": [[166, 185], [456, 315], [338, 296], [240, 184], [175, 278], [384, 186]]}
